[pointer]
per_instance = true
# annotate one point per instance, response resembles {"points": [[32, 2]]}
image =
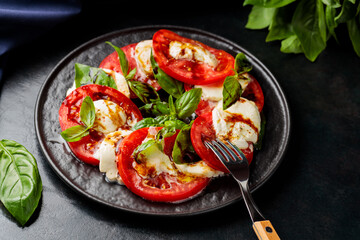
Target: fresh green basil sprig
{"points": [[20, 181], [85, 74], [87, 116], [170, 85], [305, 26], [232, 89], [144, 91]]}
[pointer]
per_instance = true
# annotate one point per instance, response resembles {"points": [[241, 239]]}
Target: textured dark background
{"points": [[313, 195]]}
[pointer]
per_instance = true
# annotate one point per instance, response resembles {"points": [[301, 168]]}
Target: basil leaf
{"points": [[260, 17], [170, 85], [156, 108], [122, 58], [332, 3], [280, 27], [87, 112], [172, 106], [131, 74], [144, 91], [291, 45], [348, 12], [20, 181], [258, 144], [143, 150], [353, 27], [74, 133], [182, 145], [231, 91], [151, 122], [85, 74], [188, 103], [168, 130], [330, 20], [309, 26], [268, 3], [242, 65]]}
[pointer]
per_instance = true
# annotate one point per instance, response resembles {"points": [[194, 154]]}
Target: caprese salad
{"points": [[142, 115]]}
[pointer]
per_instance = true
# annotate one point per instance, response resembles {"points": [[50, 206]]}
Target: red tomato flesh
{"points": [[189, 70], [69, 116], [203, 130], [154, 187]]}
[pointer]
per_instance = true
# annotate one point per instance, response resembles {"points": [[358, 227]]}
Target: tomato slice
{"points": [[252, 92], [69, 116], [161, 187], [190, 70], [203, 130], [112, 62]]}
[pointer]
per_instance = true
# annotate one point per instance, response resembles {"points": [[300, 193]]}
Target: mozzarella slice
{"points": [[213, 92], [239, 124], [107, 155], [120, 82], [188, 51], [109, 116], [198, 169], [119, 79], [142, 56]]}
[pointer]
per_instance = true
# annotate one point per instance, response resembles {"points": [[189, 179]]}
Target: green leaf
{"points": [[85, 74], [151, 122], [330, 20], [309, 26], [20, 181], [353, 27], [155, 108], [260, 17], [87, 112], [170, 85], [75, 133], [268, 3], [122, 58], [145, 149], [332, 3], [144, 91], [172, 106], [291, 45], [188, 103], [242, 65], [182, 144], [231, 91], [280, 27], [348, 12]]}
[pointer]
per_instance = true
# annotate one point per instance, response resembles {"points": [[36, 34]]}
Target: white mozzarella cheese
{"points": [[213, 92], [120, 82], [142, 56], [198, 169], [119, 79], [109, 116], [188, 51], [239, 124], [107, 155]]}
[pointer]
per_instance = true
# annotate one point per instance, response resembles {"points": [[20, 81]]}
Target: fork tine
{"points": [[237, 150], [217, 153], [228, 150], [223, 151]]}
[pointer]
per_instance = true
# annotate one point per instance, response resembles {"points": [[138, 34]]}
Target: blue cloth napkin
{"points": [[22, 21]]}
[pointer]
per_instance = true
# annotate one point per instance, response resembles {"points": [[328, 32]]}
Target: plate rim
{"points": [[93, 41]]}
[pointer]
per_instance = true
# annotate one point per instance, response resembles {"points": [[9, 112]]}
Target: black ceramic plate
{"points": [[87, 180]]}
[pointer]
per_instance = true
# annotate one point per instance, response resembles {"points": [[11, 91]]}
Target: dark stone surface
{"points": [[313, 195]]}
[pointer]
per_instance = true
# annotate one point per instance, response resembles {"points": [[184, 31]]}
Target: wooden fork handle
{"points": [[265, 231]]}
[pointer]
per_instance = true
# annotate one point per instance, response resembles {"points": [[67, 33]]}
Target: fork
{"points": [[237, 164]]}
